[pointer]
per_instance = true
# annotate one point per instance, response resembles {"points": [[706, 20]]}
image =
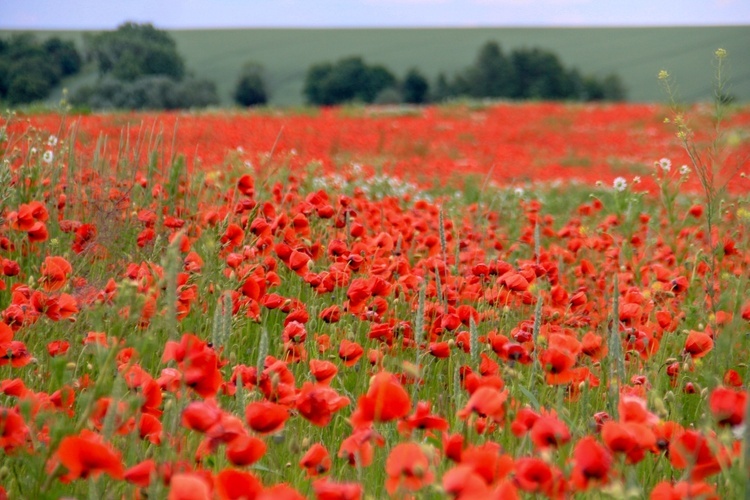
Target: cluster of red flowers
{"points": [[236, 307]]}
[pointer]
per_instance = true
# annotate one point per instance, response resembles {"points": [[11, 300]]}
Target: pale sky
{"points": [[170, 14]]}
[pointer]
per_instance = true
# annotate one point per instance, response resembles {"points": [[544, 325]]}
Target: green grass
{"points": [[636, 54]]}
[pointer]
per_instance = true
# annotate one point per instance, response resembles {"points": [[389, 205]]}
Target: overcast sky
{"points": [[108, 14]]}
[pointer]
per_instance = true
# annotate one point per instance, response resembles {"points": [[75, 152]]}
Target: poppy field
{"points": [[463, 301]]}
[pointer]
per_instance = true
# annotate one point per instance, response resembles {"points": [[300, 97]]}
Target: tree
{"points": [[415, 88], [492, 74], [614, 89], [316, 81], [65, 55], [251, 89], [147, 92], [539, 75], [135, 50], [350, 79], [140, 68], [29, 69]]}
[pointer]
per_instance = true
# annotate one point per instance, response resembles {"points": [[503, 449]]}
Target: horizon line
{"points": [[375, 27]]}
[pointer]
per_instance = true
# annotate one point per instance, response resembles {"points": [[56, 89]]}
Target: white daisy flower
{"points": [[620, 184]]}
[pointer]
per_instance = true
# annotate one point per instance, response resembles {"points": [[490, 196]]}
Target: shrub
{"points": [[350, 79], [526, 73], [148, 92], [135, 50], [492, 74], [29, 69], [251, 88], [415, 88]]}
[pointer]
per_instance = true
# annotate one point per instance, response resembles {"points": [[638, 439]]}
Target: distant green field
{"points": [[636, 54]]}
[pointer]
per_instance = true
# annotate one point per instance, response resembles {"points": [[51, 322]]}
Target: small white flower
{"points": [[52, 141], [240, 149], [637, 179], [620, 184], [518, 191], [32, 151], [665, 164], [684, 170], [48, 156]]}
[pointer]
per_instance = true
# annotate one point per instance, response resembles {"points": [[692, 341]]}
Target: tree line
{"points": [[139, 67], [29, 69], [526, 73]]}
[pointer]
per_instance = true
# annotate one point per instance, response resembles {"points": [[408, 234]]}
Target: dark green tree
{"points": [[492, 74], [29, 69], [377, 79], [349, 79], [65, 55], [135, 50], [251, 88], [539, 75], [442, 88], [614, 88], [415, 88], [316, 82]]}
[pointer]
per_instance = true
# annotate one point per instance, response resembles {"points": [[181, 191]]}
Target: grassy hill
{"points": [[636, 54]]}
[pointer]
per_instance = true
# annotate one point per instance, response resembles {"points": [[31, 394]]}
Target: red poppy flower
{"points": [[87, 455], [486, 401], [632, 439], [232, 484], [386, 400], [592, 462], [703, 457], [357, 448], [55, 271], [683, 490], [462, 482], [488, 461], [422, 419], [141, 474], [245, 450], [331, 314], [728, 406], [38, 232], [246, 185], [440, 350], [280, 491], [323, 371], [328, 490], [201, 416], [266, 417], [317, 403], [58, 347], [350, 352], [549, 431], [534, 475], [408, 469], [150, 428], [732, 378], [189, 486], [453, 445], [232, 237], [316, 460], [698, 344], [13, 430]]}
